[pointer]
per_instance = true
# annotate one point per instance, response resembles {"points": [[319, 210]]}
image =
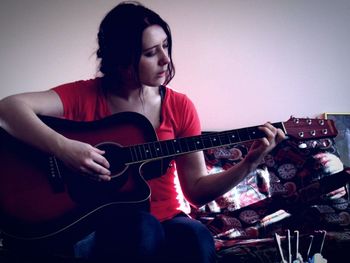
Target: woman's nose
{"points": [[164, 59]]}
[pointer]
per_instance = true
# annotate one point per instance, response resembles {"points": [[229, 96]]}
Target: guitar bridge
{"points": [[55, 178]]}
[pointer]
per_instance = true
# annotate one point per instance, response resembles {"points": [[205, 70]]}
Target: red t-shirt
{"points": [[85, 101]]}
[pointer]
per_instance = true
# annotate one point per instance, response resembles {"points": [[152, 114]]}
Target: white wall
{"points": [[242, 62]]}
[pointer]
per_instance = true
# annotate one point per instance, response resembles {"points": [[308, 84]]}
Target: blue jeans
{"points": [[139, 237]]}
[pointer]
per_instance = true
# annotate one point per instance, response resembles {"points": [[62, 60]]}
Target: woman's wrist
{"points": [[249, 165], [57, 145]]}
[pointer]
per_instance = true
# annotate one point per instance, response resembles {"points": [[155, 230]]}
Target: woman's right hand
{"points": [[84, 159], [79, 156]]}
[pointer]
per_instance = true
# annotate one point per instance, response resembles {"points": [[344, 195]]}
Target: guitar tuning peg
{"points": [[296, 120], [292, 118]]}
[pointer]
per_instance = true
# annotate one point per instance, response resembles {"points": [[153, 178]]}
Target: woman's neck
{"points": [[145, 101], [126, 92]]}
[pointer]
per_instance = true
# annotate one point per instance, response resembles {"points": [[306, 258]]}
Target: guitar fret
{"points": [[171, 147], [207, 141], [136, 154], [219, 140], [191, 144], [158, 149], [147, 150], [224, 139], [139, 152], [177, 146], [164, 148], [202, 142], [153, 150], [255, 133], [215, 141], [233, 137], [251, 133], [198, 143], [243, 135], [133, 159], [143, 151], [183, 144]]}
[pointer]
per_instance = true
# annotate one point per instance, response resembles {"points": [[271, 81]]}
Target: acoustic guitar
{"points": [[41, 198]]}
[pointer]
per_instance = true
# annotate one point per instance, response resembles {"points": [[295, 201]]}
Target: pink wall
{"points": [[241, 62]]}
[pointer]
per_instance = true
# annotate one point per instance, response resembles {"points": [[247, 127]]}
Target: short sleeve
{"points": [[83, 100], [190, 124]]}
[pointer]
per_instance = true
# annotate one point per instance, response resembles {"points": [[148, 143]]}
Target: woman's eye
{"points": [[150, 54], [153, 52]]}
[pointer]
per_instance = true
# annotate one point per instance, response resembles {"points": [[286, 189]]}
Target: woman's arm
{"points": [[18, 116], [200, 188]]}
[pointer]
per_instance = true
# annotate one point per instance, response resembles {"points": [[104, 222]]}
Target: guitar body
{"points": [[40, 198]]}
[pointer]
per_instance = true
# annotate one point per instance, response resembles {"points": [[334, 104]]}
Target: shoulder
{"points": [[176, 97], [86, 86], [82, 100], [181, 109]]}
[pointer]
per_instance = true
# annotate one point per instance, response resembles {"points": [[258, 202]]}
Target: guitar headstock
{"points": [[308, 129]]}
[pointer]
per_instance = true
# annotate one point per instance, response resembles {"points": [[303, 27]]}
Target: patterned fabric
{"points": [[288, 190]]}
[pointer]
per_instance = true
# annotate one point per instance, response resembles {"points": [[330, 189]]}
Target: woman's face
{"points": [[154, 59]]}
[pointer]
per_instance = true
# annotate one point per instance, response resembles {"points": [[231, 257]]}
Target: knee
{"points": [[150, 232], [135, 235], [201, 238], [197, 233], [192, 241], [201, 246]]}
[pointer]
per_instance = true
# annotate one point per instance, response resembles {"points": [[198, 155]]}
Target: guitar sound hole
{"points": [[115, 157]]}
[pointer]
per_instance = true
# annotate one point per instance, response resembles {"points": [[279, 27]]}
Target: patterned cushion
{"points": [[289, 189]]}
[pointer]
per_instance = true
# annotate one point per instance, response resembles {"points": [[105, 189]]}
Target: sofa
{"points": [[289, 194]]}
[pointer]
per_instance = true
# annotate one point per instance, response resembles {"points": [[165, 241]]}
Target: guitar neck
{"points": [[169, 148]]}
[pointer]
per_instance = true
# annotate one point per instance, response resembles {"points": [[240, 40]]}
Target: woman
{"points": [[136, 65]]}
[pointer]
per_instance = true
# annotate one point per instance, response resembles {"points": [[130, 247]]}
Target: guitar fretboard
{"points": [[168, 148]]}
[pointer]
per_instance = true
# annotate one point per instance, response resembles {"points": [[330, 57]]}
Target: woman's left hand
{"points": [[261, 147]]}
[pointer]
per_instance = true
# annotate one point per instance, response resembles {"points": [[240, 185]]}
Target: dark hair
{"points": [[120, 41]]}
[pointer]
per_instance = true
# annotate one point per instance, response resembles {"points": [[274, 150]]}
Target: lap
{"points": [[188, 239]]}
